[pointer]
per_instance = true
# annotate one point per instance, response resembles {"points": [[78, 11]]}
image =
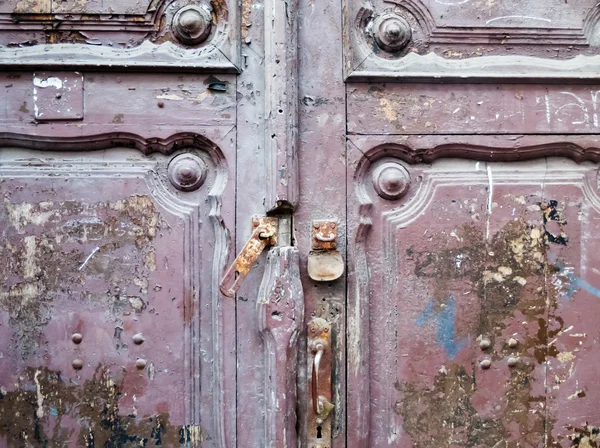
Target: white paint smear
{"points": [[51, 81]]}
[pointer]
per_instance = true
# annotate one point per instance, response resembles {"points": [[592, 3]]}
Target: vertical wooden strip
{"points": [[280, 309], [281, 102]]}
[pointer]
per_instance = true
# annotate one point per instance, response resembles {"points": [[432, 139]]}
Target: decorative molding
{"points": [[570, 150], [119, 39], [509, 47], [482, 69], [366, 210], [358, 382], [280, 310], [202, 304], [113, 140]]}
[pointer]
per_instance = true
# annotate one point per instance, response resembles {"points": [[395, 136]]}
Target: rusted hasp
{"points": [[325, 262], [264, 234], [321, 361]]}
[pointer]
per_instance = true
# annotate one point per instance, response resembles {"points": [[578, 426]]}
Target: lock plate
{"points": [[325, 262], [320, 356]]}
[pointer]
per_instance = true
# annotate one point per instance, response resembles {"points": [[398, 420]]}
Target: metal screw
{"points": [[484, 344], [160, 104], [485, 364], [512, 361], [77, 364], [138, 339], [58, 96], [316, 225], [140, 363], [512, 343], [76, 338], [332, 225]]}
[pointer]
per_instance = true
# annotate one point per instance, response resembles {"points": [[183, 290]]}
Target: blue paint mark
{"points": [[575, 283], [53, 412], [445, 326]]}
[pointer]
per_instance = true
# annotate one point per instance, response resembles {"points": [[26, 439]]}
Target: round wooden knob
{"points": [[392, 32], [191, 25], [391, 180], [187, 172]]}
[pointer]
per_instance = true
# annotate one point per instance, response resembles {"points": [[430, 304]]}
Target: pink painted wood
{"points": [[453, 142]]}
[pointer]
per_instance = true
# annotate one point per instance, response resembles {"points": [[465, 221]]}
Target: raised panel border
{"points": [[221, 54], [204, 298], [362, 153], [362, 64]]}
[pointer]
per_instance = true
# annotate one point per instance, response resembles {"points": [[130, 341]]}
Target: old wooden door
{"points": [[472, 212], [117, 216], [411, 187]]}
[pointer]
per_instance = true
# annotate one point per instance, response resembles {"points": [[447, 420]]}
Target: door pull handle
{"points": [[264, 234], [321, 359]]}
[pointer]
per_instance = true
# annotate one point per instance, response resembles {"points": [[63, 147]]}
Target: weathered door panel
{"points": [[472, 108], [155, 35], [112, 329], [460, 283]]}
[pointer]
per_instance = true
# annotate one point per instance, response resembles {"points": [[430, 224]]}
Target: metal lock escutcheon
{"points": [[320, 357], [325, 262]]}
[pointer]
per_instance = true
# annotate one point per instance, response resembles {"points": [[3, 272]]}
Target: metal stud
{"points": [[512, 361], [77, 364], [391, 180], [187, 172], [484, 344], [76, 338], [392, 32], [140, 363], [138, 338], [191, 24], [513, 343], [485, 364]]}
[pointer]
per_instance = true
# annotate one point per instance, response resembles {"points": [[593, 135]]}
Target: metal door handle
{"points": [[317, 404], [264, 234], [319, 334]]}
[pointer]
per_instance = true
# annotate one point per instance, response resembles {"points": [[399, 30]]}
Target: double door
{"points": [[334, 224]]}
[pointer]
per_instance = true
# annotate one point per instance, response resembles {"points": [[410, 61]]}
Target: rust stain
{"points": [[219, 8]]}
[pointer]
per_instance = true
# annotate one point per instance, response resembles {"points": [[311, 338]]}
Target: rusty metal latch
{"points": [[321, 360], [325, 262], [263, 235]]}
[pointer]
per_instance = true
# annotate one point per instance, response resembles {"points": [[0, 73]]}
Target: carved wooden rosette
{"points": [[280, 308]]}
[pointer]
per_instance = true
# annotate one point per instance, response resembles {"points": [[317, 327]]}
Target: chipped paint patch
{"points": [[47, 258], [565, 357], [95, 405]]}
